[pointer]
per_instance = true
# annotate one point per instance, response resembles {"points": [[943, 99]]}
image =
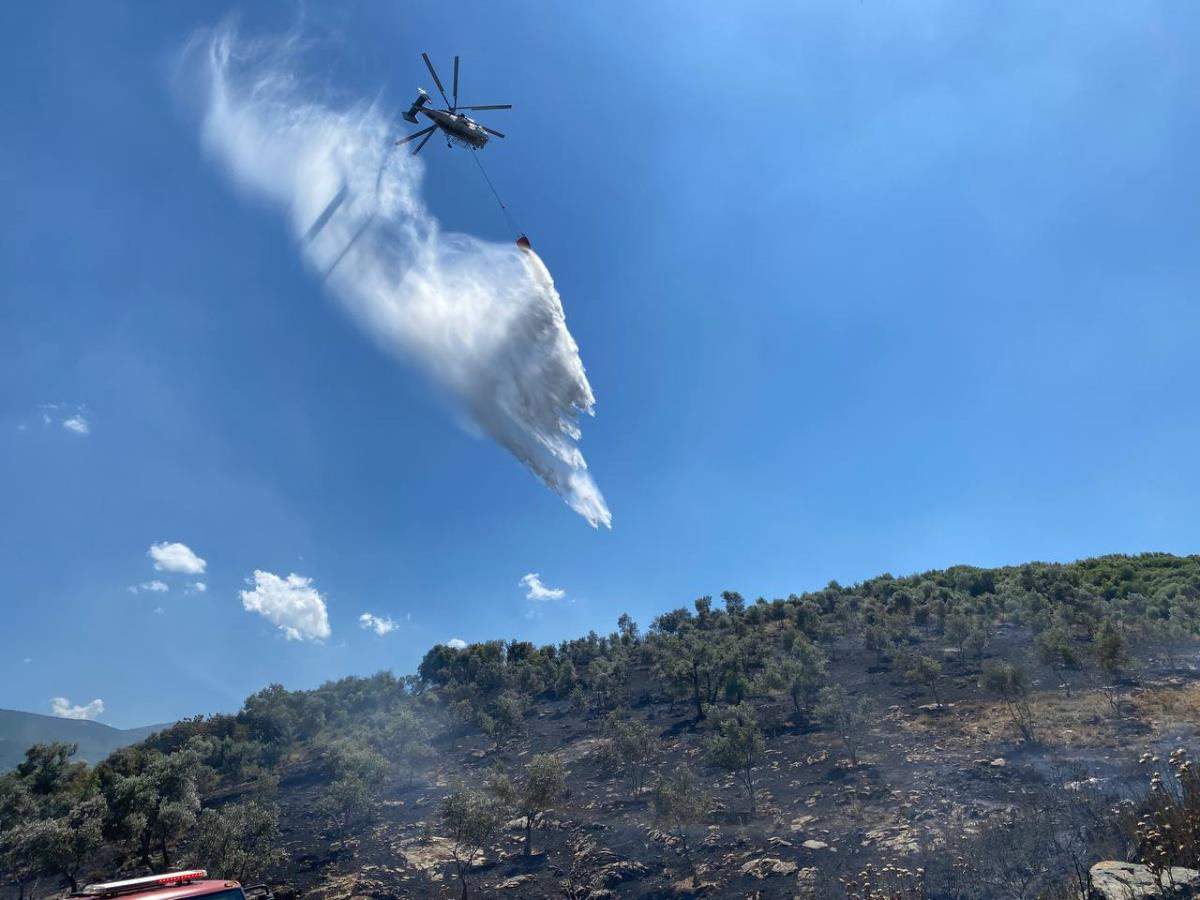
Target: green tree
{"points": [[406, 740], [679, 805], [63, 846], [1111, 653], [800, 671], [238, 841], [921, 669], [699, 662], [735, 603], [736, 745], [630, 747], [957, 631], [358, 773], [538, 790], [1056, 650], [48, 770], [473, 820], [627, 628], [1010, 683], [845, 716], [156, 804]]}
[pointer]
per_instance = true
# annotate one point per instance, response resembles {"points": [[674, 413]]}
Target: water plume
{"points": [[482, 319]]}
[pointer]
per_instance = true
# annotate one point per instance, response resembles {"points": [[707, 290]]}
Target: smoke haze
{"points": [[482, 319]]}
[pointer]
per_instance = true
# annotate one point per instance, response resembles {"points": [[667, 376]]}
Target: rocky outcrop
{"points": [[1113, 880], [766, 866]]}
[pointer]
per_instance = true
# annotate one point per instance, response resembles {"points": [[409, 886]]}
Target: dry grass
{"points": [[1083, 720], [1167, 707]]}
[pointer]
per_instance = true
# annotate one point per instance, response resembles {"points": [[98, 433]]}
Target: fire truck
{"points": [[180, 886]]}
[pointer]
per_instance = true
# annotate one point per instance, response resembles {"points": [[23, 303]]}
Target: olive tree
{"points": [[845, 716], [736, 745], [678, 805], [1011, 684], [537, 791], [239, 841], [473, 819]]}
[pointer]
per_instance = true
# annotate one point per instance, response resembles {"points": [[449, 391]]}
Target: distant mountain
{"points": [[19, 730]]}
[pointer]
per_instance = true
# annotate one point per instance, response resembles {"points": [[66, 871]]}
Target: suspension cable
{"points": [[504, 209]]}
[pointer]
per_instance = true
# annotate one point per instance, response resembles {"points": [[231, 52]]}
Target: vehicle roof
{"points": [[178, 891]]}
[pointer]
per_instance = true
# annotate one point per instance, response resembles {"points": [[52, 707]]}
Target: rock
{"points": [[1114, 880], [799, 823], [998, 763], [765, 866], [815, 845], [515, 882], [692, 887], [619, 871]]}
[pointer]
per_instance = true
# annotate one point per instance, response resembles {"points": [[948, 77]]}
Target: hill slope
{"points": [[964, 733], [20, 730]]}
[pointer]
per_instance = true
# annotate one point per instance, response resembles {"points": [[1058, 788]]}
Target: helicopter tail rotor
{"points": [[422, 99]]}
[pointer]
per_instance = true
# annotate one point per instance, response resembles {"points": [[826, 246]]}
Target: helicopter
{"points": [[458, 129]]}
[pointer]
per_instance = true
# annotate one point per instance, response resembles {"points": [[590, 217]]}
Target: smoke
{"points": [[482, 319]]}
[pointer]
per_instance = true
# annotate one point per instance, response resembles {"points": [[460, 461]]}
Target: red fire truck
{"points": [[178, 886]]}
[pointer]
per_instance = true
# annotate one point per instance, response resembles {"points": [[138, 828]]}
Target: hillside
{"points": [[21, 730], [956, 734]]}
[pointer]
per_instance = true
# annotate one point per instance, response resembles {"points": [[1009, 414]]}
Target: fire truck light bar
{"points": [[133, 885]]}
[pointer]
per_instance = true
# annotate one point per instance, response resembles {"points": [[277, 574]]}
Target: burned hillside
{"points": [[959, 733]]}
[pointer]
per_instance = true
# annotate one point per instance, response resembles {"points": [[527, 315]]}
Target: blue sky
{"points": [[859, 288]]}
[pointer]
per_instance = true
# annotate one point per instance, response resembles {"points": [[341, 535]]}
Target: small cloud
{"points": [[158, 610], [153, 587], [22, 427], [197, 587], [457, 643], [176, 557], [380, 625], [292, 604], [27, 659], [536, 591], [78, 424], [63, 708], [46, 419]]}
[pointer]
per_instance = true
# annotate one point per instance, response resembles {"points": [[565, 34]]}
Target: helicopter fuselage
{"points": [[457, 127]]}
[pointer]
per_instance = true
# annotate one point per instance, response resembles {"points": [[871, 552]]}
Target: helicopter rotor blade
{"points": [[417, 149], [492, 106], [436, 80], [492, 131], [455, 106], [415, 135]]}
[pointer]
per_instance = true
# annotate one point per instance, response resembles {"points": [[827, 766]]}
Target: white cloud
{"points": [[198, 586], [457, 643], [158, 610], [154, 587], [379, 624], [292, 604], [78, 424], [27, 659], [176, 557], [482, 319], [535, 590], [63, 708]]}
